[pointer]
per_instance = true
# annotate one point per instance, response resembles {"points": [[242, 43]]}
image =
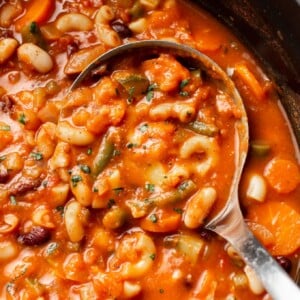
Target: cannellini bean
{"points": [[10, 223], [75, 218], [59, 194], [74, 22], [130, 289], [199, 206], [80, 187], [143, 246], [108, 36], [138, 26], [42, 217], [114, 218], [254, 282], [200, 144], [7, 49], [8, 12], [73, 135], [35, 57], [257, 188], [8, 250], [45, 139], [232, 253]]}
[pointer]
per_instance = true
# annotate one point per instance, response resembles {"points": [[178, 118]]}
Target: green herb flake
{"points": [[13, 200], [184, 83], [178, 210], [116, 152], [2, 158], [36, 155], [143, 128], [89, 151], [152, 256], [52, 247], [184, 93], [153, 218], [95, 190], [111, 203], [150, 187], [161, 291], [85, 169], [22, 118], [183, 186], [5, 128], [118, 190], [33, 27], [75, 179], [149, 96]]}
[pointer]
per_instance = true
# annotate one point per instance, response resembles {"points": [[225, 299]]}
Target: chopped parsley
{"points": [[183, 186], [131, 145], [130, 94], [161, 291], [22, 118], [152, 256], [60, 209], [143, 128], [89, 151], [178, 210], [116, 152], [11, 288], [5, 128], [184, 83], [150, 91], [184, 93], [33, 27], [153, 218], [85, 169], [95, 190], [150, 187], [36, 155], [75, 179]]}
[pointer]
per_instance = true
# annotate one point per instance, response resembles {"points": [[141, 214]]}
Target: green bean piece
{"points": [[203, 128], [260, 148], [103, 157]]}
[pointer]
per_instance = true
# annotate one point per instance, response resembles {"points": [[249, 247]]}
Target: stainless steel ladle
{"points": [[229, 222]]}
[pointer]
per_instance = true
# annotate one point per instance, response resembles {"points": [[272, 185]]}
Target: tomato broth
{"points": [[105, 190]]}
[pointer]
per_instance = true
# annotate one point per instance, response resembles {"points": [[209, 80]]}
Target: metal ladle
{"points": [[229, 222]]}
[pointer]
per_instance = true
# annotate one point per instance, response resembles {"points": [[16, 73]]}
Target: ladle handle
{"points": [[275, 280]]}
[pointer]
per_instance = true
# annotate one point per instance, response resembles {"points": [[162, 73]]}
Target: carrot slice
{"points": [[37, 11], [283, 175], [282, 221], [161, 221], [249, 79]]}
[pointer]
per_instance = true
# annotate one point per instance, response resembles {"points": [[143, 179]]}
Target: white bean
{"points": [[257, 188], [8, 12], [7, 49], [74, 221], [138, 26], [73, 22], [199, 206], [104, 15], [35, 57], [130, 289], [10, 223], [254, 282], [150, 4], [73, 135]]}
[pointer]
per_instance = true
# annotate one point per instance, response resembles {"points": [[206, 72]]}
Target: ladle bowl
{"points": [[228, 222]]}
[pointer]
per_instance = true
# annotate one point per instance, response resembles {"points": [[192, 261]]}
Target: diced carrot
{"points": [[161, 221], [37, 11], [262, 233], [283, 175], [282, 221], [249, 79]]}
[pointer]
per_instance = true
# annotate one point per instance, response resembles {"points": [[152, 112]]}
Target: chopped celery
{"points": [[188, 245], [260, 148], [134, 84], [203, 128], [103, 157]]}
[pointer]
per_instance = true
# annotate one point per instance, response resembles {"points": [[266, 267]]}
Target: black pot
{"points": [[271, 30]]}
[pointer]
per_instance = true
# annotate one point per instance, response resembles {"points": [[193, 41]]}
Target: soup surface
{"points": [[105, 190]]}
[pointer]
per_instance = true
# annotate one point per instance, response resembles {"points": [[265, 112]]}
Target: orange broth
{"points": [[105, 190]]}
